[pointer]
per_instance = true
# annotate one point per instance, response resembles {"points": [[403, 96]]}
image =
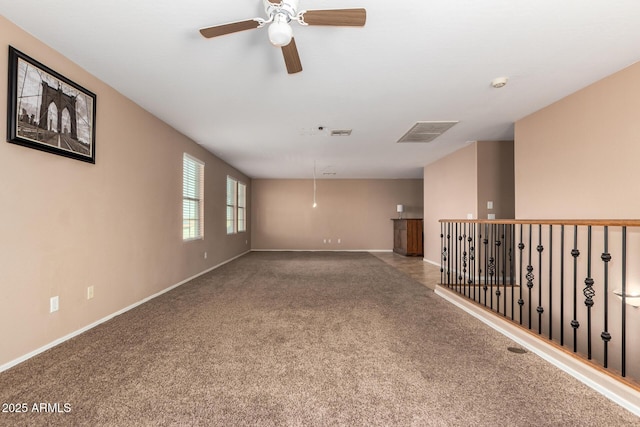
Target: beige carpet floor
{"points": [[304, 338]]}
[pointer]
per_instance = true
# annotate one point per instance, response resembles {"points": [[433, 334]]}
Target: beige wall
{"points": [[115, 225], [450, 192], [578, 158], [358, 212], [462, 184], [495, 179]]}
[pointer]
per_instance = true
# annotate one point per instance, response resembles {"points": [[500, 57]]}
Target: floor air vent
{"points": [[426, 131]]}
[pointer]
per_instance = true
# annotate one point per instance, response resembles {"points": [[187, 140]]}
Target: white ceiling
{"points": [[414, 60]]}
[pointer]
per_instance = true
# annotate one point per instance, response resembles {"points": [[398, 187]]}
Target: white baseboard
{"points": [[321, 250], [109, 317], [437, 264], [618, 392]]}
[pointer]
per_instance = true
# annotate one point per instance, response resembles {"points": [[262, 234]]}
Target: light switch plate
{"points": [[54, 304]]}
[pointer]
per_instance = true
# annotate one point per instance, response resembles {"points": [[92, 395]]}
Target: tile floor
{"points": [[424, 272]]}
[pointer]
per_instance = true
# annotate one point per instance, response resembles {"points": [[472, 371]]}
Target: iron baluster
{"points": [[480, 266], [504, 268], [472, 257], [512, 245], [464, 259], [540, 249], [492, 262], [485, 242], [605, 335], [449, 260], [530, 275], [497, 257], [521, 249], [562, 285], [624, 301], [575, 253], [457, 255], [551, 282], [443, 258], [588, 292]]}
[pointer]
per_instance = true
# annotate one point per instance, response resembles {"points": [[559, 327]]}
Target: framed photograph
{"points": [[49, 112]]}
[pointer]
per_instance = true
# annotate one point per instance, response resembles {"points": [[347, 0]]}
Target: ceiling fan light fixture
{"points": [[279, 15], [280, 32]]}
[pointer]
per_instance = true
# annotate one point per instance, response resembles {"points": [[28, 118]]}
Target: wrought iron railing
{"points": [[571, 282]]}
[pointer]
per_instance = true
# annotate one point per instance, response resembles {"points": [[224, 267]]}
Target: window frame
{"points": [[231, 204], [241, 215], [192, 191], [236, 208]]}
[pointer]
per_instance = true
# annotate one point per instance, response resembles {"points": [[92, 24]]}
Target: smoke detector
{"points": [[499, 82]]}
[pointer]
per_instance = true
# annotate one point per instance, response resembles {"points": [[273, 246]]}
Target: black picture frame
{"points": [[49, 112]]}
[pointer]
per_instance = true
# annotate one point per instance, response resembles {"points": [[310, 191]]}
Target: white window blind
{"points": [[242, 205], [192, 198], [231, 204]]}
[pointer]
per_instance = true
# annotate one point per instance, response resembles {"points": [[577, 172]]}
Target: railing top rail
{"points": [[579, 222]]}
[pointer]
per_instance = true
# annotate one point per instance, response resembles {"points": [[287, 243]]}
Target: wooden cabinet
{"points": [[407, 236]]}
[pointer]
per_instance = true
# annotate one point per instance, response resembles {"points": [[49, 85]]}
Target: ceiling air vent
{"points": [[426, 131], [341, 132]]}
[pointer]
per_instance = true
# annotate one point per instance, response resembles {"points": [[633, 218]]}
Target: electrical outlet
{"points": [[54, 304], [205, 255], [329, 240], [324, 241], [339, 240], [489, 205], [90, 292]]}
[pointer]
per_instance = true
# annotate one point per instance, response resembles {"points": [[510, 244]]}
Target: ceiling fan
{"points": [[280, 33]]}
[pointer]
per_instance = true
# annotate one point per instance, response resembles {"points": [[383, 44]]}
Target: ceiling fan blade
{"points": [[233, 27], [340, 17], [291, 57]]}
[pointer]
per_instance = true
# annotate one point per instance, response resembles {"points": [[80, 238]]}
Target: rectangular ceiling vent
{"points": [[341, 132], [426, 131]]}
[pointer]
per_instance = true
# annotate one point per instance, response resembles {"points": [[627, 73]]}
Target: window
{"points": [[231, 204], [242, 205], [192, 198], [236, 206]]}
